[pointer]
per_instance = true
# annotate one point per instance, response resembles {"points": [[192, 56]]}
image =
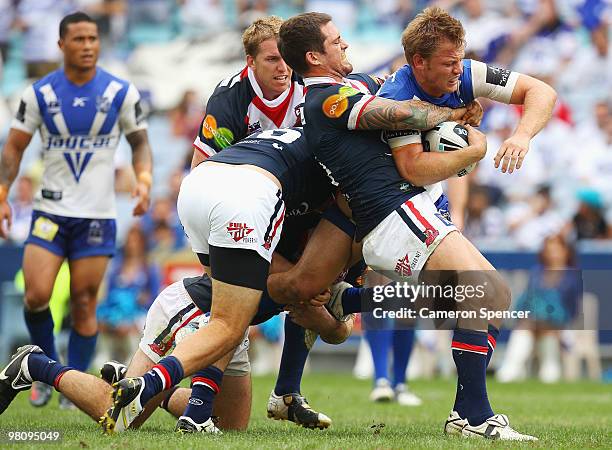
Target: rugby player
{"points": [[80, 111], [342, 125], [437, 72]]}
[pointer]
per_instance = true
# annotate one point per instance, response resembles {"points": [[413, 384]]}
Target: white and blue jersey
{"points": [[477, 80], [80, 127]]}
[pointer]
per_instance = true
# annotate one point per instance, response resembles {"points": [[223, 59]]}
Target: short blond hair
{"points": [[428, 29], [259, 31]]}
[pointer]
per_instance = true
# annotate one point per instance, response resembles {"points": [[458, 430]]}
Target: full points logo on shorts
{"points": [[403, 267], [240, 231]]}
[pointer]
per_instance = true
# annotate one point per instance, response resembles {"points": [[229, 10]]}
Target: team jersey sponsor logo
{"points": [[335, 105], [239, 232], [45, 229], [80, 142], [498, 76], [223, 137], [402, 267]]}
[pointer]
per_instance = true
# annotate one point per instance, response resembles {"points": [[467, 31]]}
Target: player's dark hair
{"points": [[299, 35], [428, 29], [72, 18]]}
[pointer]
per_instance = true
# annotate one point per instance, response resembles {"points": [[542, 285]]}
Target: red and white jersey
{"points": [[238, 108]]}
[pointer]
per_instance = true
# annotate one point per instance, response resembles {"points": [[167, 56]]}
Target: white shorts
{"points": [[232, 207], [404, 240], [171, 317]]}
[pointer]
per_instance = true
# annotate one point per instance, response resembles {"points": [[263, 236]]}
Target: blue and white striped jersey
{"points": [[80, 127]]}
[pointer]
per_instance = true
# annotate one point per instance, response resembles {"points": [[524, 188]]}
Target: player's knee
{"points": [[501, 295], [36, 299]]}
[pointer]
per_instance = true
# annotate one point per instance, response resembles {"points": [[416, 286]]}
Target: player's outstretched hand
{"points": [[141, 192], [473, 114], [5, 219], [512, 152]]}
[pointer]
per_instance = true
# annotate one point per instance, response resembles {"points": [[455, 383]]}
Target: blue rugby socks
{"points": [[470, 351], [40, 327], [164, 375], [81, 350], [293, 360], [205, 385]]}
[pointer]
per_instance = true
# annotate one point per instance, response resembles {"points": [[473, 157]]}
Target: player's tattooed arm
{"points": [[385, 114]]}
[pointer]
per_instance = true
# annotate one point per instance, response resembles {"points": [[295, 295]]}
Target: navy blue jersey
{"points": [[200, 291], [238, 108], [285, 154], [359, 161]]}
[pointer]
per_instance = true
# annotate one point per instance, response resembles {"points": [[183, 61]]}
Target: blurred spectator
{"points": [[21, 205], [249, 11], [39, 20], [553, 293], [265, 348], [499, 124], [530, 222], [6, 22], [186, 117], [201, 18], [132, 285], [482, 220], [109, 15], [163, 211], [589, 222]]}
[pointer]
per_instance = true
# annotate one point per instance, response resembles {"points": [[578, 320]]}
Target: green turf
{"points": [[562, 416]]}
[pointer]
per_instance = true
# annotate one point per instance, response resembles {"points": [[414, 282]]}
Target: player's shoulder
{"points": [[52, 78], [234, 87], [104, 77], [400, 81], [370, 83]]}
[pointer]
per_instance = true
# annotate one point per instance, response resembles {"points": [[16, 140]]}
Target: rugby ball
{"points": [[447, 137]]}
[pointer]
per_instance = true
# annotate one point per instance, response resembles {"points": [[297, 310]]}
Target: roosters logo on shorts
{"points": [[403, 267], [238, 231]]}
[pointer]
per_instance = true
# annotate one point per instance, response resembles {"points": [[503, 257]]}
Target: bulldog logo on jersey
{"points": [[54, 107], [103, 104]]}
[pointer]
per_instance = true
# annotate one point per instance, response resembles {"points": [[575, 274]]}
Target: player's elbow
{"points": [[415, 177]]}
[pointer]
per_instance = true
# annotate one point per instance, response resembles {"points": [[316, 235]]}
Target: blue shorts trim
{"points": [[73, 238]]}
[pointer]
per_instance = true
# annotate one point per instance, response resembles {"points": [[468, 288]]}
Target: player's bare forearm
{"points": [[142, 162], [385, 114], [12, 153], [538, 100], [141, 152]]}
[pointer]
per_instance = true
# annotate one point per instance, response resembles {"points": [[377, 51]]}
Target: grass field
{"points": [[562, 416]]}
